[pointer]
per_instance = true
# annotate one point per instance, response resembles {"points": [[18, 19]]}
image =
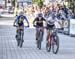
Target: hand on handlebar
{"points": [[34, 25], [14, 25], [28, 26]]}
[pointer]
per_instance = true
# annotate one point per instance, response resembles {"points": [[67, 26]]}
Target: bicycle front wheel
{"points": [[21, 39], [40, 40], [55, 46]]}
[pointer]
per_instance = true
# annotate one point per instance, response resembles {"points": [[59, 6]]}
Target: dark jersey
{"points": [[39, 22]]}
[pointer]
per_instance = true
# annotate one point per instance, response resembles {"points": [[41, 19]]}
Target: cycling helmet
{"points": [[53, 15], [21, 13], [40, 15]]}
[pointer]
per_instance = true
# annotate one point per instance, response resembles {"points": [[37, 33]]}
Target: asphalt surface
{"points": [[9, 49]]}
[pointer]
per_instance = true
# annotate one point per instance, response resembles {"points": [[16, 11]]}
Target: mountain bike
{"points": [[53, 41], [19, 37], [40, 37]]}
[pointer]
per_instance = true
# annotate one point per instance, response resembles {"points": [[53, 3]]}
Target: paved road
{"points": [[9, 49]]}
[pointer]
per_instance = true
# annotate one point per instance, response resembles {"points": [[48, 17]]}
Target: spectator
{"points": [[65, 10], [71, 15]]}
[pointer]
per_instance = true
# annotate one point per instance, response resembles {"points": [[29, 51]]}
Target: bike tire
{"points": [[18, 40], [40, 40], [48, 47], [21, 40], [21, 43], [39, 45], [57, 44]]}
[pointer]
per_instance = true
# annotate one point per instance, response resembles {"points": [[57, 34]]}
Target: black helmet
{"points": [[40, 15]]}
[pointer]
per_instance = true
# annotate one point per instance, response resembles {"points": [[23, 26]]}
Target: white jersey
{"points": [[51, 21]]}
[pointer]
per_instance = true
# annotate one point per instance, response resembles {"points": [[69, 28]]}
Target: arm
{"points": [[26, 20], [58, 21], [45, 24], [15, 20], [34, 21], [44, 19]]}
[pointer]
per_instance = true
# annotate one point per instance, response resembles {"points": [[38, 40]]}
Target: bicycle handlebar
{"points": [[18, 26], [39, 26]]}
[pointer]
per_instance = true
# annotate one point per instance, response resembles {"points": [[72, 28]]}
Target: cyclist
{"points": [[39, 23], [50, 23], [19, 21]]}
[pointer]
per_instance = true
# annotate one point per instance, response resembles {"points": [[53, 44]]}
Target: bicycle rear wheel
{"points": [[55, 46], [48, 47]]}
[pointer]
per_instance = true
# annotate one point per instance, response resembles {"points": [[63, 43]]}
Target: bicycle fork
{"points": [[50, 40]]}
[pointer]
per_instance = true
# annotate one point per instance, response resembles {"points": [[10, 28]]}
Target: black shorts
{"points": [[50, 26], [39, 24]]}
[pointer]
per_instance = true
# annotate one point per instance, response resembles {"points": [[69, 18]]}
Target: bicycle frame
{"points": [[20, 34], [20, 31], [50, 35], [40, 37], [39, 30]]}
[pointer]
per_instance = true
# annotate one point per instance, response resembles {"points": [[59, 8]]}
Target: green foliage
{"points": [[34, 1], [40, 3]]}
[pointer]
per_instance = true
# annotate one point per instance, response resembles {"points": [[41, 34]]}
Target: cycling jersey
{"points": [[39, 22], [51, 22], [20, 19]]}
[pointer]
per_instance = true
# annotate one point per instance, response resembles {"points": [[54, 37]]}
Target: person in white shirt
{"points": [[50, 23]]}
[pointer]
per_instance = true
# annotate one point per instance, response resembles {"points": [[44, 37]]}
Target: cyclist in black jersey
{"points": [[39, 23]]}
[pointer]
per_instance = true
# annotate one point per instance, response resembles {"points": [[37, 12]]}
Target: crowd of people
{"points": [[62, 12]]}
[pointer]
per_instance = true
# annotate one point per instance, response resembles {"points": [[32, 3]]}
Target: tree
{"points": [[40, 3], [34, 1]]}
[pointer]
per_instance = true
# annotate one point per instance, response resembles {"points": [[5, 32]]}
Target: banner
{"points": [[72, 26], [66, 27]]}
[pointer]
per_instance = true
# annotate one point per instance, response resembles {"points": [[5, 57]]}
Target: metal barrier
{"points": [[72, 27], [64, 26]]}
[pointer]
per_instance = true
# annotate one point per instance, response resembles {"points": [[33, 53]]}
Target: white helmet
{"points": [[21, 13]]}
